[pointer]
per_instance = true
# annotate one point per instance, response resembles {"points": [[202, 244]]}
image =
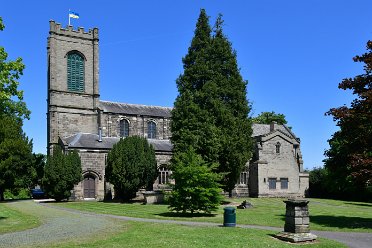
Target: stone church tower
{"points": [[73, 82]]}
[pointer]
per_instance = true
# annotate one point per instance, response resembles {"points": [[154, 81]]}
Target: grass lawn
{"points": [[331, 215], [139, 234], [12, 220]]}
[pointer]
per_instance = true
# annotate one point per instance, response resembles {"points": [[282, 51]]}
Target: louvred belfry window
{"points": [[75, 72]]}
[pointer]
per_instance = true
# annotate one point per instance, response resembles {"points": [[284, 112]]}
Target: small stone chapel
{"points": [[78, 120]]}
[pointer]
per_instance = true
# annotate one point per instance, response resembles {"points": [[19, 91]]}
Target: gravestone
{"points": [[297, 222]]}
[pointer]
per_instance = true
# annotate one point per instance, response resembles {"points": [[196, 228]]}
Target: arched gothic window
{"points": [[151, 130], [277, 147], [124, 128], [75, 72]]}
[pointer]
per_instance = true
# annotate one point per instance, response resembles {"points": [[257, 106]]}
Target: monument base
{"points": [[296, 237]]}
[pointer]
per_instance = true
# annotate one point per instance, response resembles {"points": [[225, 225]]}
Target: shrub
{"points": [[196, 186], [61, 173], [131, 164]]}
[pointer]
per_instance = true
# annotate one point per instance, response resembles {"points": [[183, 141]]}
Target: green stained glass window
{"points": [[75, 72]]}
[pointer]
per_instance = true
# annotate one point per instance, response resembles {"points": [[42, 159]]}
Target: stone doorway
{"points": [[89, 186]]}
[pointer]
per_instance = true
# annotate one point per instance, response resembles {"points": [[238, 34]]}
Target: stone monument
{"points": [[297, 222]]}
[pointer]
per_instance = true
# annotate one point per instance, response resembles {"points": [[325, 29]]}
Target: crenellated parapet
{"points": [[55, 28]]}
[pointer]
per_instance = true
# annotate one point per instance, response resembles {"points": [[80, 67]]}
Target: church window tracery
{"points": [[124, 128], [151, 130], [163, 177]]}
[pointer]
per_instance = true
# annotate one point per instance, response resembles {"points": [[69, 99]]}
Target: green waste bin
{"points": [[229, 217]]}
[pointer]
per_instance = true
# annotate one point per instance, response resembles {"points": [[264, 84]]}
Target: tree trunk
{"points": [[230, 193], [2, 195]]}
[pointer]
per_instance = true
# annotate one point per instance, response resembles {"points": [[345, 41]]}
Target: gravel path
{"points": [[64, 223], [57, 226]]}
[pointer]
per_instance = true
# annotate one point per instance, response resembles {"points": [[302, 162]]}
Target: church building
{"points": [[78, 120]]}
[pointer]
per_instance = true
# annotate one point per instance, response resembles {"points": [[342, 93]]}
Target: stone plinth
{"points": [[153, 197], [297, 222]]}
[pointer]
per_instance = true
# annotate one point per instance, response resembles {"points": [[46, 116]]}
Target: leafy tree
{"points": [[131, 164], [11, 99], [196, 188], [15, 156], [61, 173], [319, 183], [269, 117], [349, 159], [38, 163], [211, 110]]}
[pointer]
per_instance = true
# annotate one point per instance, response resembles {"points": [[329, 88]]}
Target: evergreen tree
{"points": [[131, 164], [227, 100], [61, 173], [16, 170], [211, 110], [192, 124], [349, 161]]}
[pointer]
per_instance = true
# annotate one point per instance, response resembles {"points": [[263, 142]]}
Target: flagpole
{"points": [[69, 17]]}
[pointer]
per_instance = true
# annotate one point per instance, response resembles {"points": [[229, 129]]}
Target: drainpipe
{"points": [[99, 134]]}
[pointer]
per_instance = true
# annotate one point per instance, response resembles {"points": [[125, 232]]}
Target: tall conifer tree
{"points": [[211, 110], [229, 105], [191, 123]]}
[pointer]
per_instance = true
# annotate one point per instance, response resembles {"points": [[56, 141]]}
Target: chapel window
{"points": [[277, 147], [284, 183], [163, 177], [243, 178], [124, 128], [272, 183], [151, 130], [75, 72]]}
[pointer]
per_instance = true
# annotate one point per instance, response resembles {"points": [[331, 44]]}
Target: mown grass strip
{"points": [[138, 234], [327, 215], [12, 220]]}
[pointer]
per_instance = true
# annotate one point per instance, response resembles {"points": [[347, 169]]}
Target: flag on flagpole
{"points": [[73, 15]]}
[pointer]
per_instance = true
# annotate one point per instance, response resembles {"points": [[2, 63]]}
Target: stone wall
{"points": [[137, 125], [277, 165], [93, 164]]}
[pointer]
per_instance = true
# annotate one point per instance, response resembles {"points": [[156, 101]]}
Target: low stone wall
{"points": [[153, 197]]}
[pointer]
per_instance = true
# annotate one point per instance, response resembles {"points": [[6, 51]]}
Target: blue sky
{"points": [[293, 54]]}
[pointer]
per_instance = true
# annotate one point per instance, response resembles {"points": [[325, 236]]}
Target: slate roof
{"points": [[90, 141], [263, 129], [135, 109]]}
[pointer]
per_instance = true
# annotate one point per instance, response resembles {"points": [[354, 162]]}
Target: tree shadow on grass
{"points": [[185, 215], [339, 221], [3, 218], [360, 204], [342, 221], [14, 200]]}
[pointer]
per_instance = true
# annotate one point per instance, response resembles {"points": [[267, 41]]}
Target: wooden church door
{"points": [[89, 187]]}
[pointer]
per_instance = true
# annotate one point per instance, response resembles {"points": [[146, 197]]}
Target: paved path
{"points": [[64, 223]]}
